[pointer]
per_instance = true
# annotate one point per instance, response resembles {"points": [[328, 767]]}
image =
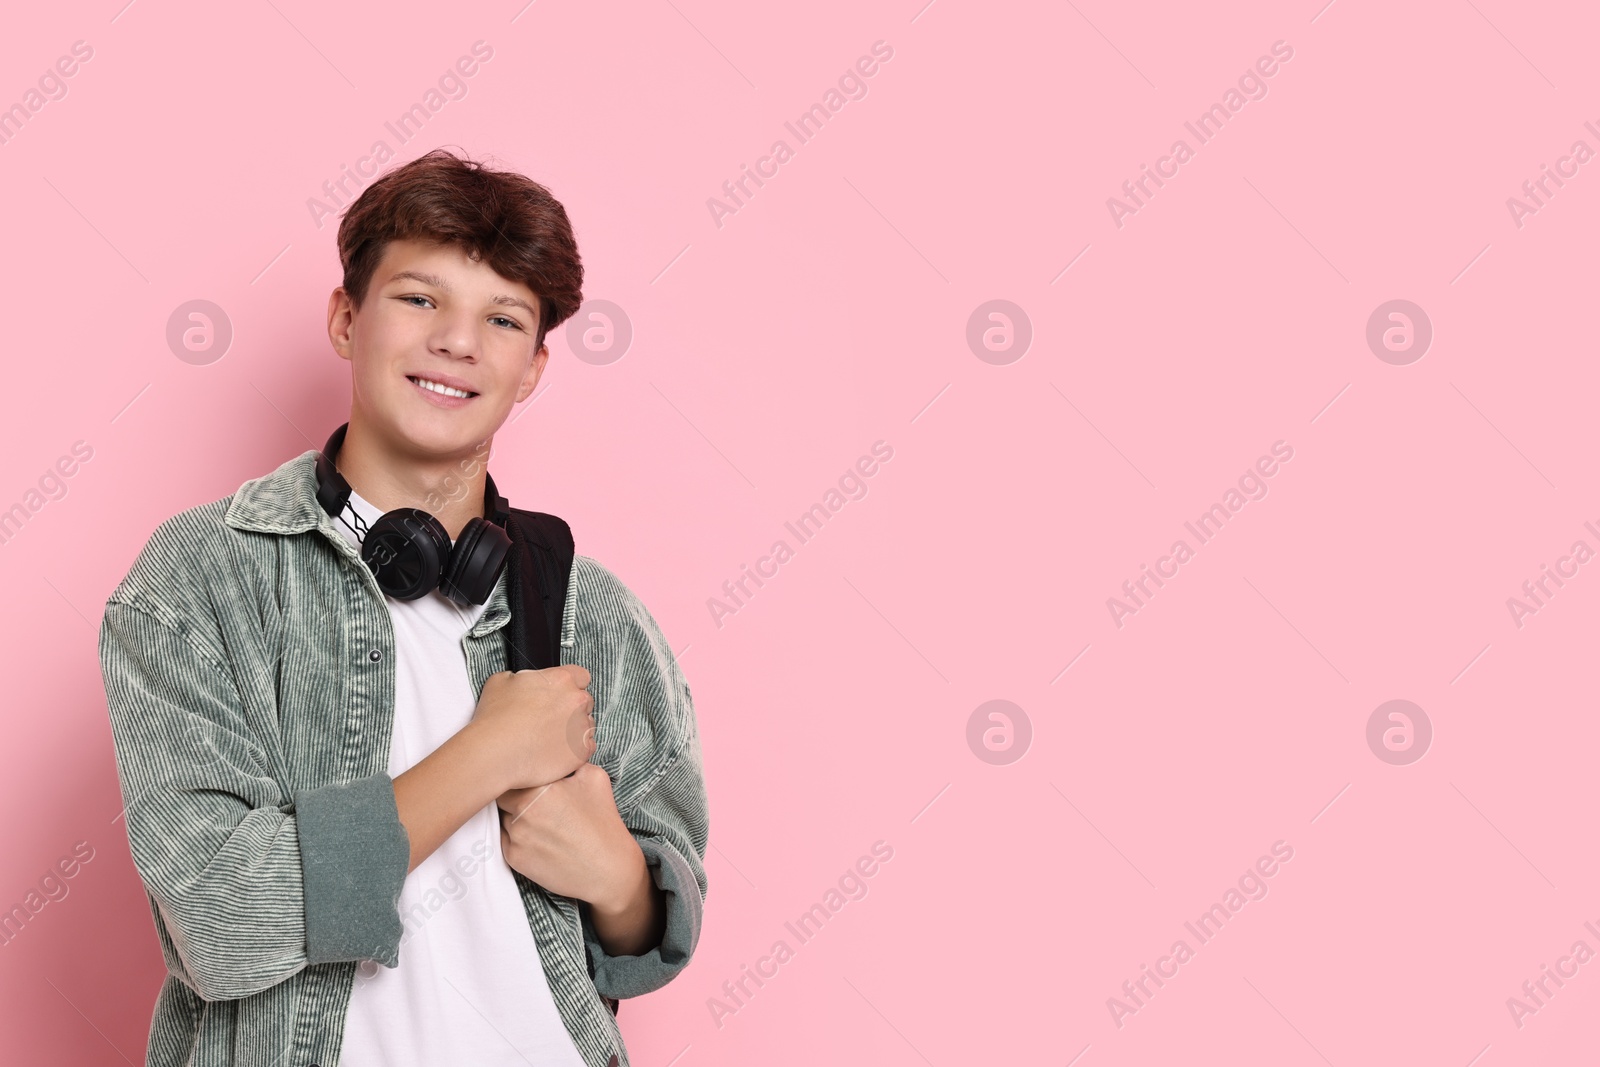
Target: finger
{"points": [[580, 735], [595, 773]]}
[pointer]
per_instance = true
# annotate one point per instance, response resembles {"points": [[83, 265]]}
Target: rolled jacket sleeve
{"points": [[354, 856], [660, 825], [251, 885], [649, 744]]}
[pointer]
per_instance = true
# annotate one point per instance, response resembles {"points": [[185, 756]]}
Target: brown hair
{"points": [[507, 219]]}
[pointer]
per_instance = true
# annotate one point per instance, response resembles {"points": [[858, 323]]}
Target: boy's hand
{"points": [[568, 837], [538, 725]]}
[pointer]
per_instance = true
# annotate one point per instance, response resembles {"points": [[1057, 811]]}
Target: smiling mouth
{"points": [[442, 390]]}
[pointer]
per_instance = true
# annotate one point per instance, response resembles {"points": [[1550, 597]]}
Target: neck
{"points": [[450, 488]]}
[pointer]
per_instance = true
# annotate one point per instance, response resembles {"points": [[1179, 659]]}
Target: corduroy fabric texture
{"points": [[248, 661]]}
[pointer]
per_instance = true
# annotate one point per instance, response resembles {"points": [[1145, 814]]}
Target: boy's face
{"points": [[431, 312]]}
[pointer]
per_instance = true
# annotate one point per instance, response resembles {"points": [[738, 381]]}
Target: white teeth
{"points": [[437, 388]]}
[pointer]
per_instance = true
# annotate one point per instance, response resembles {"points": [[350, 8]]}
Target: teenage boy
{"points": [[364, 839]]}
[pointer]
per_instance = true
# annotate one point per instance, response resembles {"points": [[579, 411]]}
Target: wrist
{"points": [[480, 748], [628, 889]]}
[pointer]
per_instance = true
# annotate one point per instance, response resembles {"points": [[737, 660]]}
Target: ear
{"points": [[531, 377], [340, 314]]}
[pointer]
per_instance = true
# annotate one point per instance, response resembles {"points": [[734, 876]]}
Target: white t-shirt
{"points": [[469, 987]]}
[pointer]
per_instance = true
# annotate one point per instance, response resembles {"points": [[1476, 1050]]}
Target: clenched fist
{"points": [[568, 837], [539, 725]]}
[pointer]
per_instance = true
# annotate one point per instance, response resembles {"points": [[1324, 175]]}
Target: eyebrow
{"points": [[438, 283]]}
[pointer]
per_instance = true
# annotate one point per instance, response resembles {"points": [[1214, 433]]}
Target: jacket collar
{"points": [[285, 502], [282, 502]]}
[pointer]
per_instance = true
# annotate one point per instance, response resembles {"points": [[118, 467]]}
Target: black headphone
{"points": [[409, 551]]}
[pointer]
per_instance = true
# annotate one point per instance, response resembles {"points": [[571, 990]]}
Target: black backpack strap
{"points": [[537, 569]]}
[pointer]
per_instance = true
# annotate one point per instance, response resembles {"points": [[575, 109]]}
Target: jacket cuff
{"points": [[618, 977], [354, 858]]}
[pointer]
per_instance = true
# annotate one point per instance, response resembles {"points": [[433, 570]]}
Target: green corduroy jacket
{"points": [[248, 661]]}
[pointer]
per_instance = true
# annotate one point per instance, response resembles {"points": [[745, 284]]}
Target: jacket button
{"points": [[374, 656], [610, 1063]]}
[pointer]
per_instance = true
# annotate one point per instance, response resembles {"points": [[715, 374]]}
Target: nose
{"points": [[454, 335]]}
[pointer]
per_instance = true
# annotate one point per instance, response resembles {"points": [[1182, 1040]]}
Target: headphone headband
{"points": [[410, 553]]}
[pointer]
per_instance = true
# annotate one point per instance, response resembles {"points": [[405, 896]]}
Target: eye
{"points": [[414, 296], [501, 318]]}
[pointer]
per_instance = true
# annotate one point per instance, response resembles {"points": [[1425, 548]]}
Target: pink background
{"points": [[831, 312]]}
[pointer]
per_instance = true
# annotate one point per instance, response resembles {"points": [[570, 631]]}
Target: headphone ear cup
{"points": [[406, 549], [475, 563]]}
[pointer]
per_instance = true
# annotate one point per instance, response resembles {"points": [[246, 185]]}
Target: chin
{"points": [[439, 432]]}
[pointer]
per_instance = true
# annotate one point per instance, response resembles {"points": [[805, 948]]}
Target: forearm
{"points": [[436, 797], [632, 921]]}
